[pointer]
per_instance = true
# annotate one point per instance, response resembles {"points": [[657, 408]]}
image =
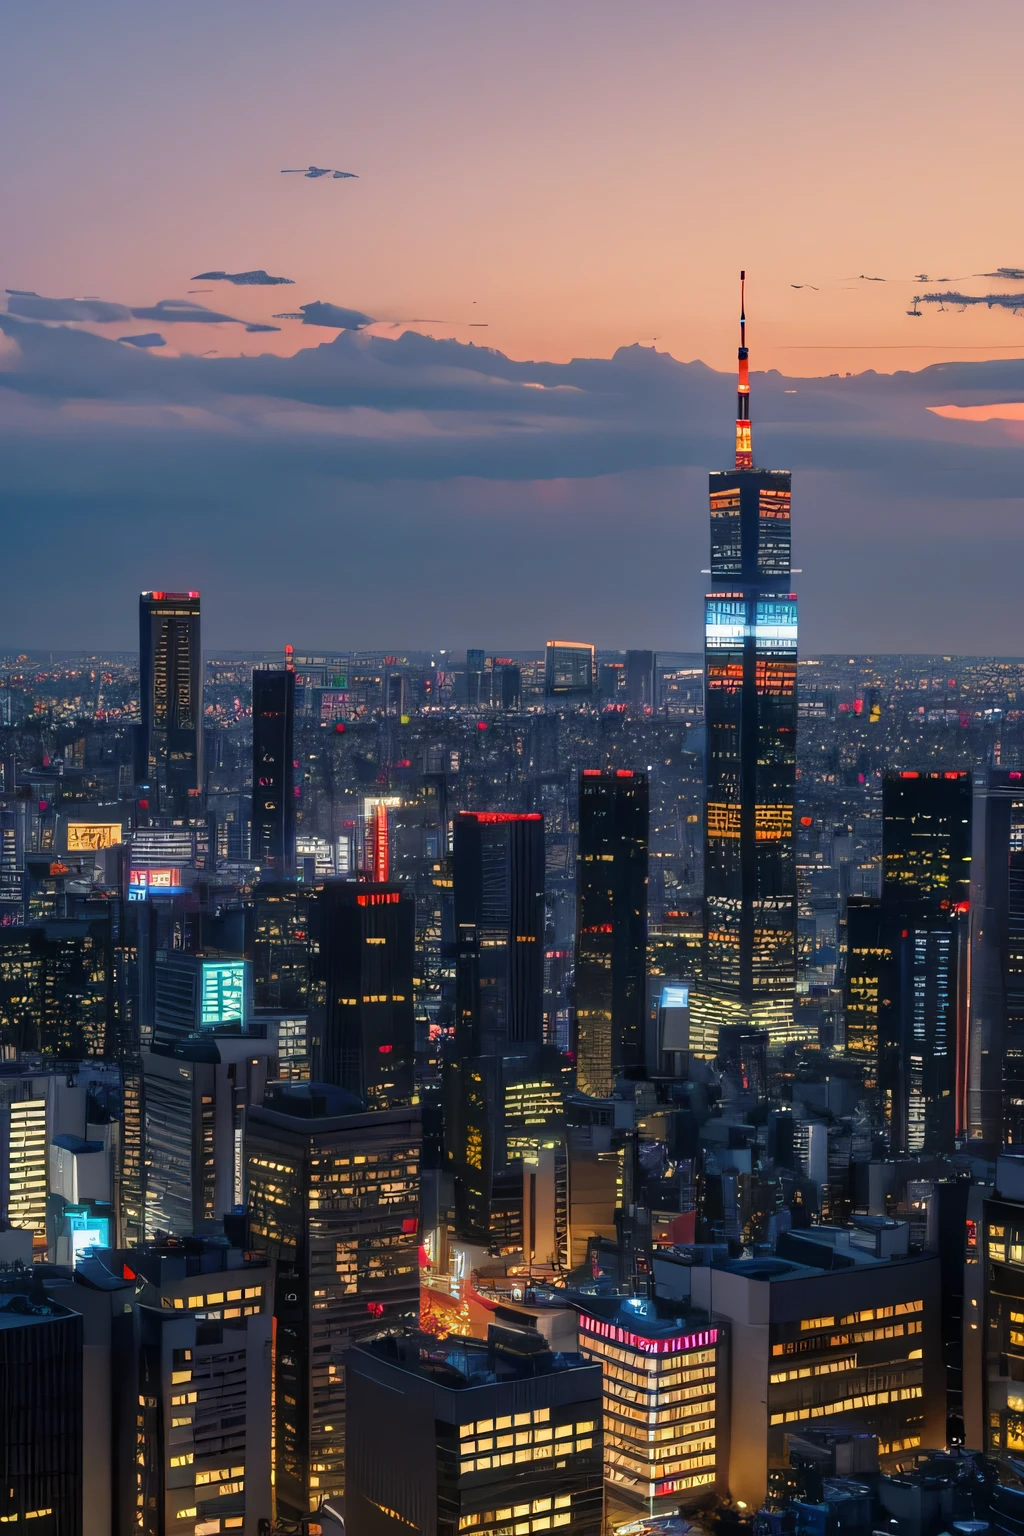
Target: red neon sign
{"points": [[673, 1346], [381, 845], [379, 899], [492, 818]]}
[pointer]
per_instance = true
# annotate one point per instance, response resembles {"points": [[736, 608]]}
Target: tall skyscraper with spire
{"points": [[750, 653]]}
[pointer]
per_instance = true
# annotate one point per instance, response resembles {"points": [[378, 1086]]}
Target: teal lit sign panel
{"points": [[223, 993]]}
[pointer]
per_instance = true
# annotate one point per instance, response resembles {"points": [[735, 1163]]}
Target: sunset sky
{"points": [[570, 177]]}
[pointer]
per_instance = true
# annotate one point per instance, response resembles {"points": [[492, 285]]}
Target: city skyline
{"points": [[506, 354]]}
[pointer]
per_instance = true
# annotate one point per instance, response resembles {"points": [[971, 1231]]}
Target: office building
{"points": [[281, 918], [273, 770], [828, 1330], [993, 1337], [995, 1086], [494, 1075], [569, 672], [196, 1095], [665, 1399], [191, 1367], [611, 927], [750, 656], [40, 1410], [926, 837], [334, 1199], [56, 988], [361, 1017], [498, 870], [506, 684], [195, 993], [907, 963], [471, 1436], [169, 761], [640, 680]]}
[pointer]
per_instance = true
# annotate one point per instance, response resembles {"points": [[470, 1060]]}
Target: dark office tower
{"points": [[640, 679], [40, 1411], [462, 1435], [273, 753], [995, 1085], [334, 1198], [611, 926], [282, 914], [569, 672], [926, 837], [475, 663], [506, 684], [499, 928], [361, 1026], [907, 972], [170, 759], [498, 866], [750, 652]]}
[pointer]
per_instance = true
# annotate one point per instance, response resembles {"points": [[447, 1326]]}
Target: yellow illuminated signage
{"points": [[84, 836]]}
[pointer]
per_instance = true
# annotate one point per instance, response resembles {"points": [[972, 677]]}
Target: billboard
{"points": [[87, 836], [142, 881], [87, 1231], [222, 994]]}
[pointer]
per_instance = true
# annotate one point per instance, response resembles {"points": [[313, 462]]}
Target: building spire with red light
{"points": [[744, 450]]}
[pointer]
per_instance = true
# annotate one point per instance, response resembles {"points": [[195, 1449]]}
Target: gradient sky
{"points": [[578, 177]]}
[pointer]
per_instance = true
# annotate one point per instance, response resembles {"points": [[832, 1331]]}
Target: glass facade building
{"points": [[750, 666], [273, 774], [169, 761], [611, 926]]}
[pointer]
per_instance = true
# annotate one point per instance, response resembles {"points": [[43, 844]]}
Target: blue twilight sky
{"points": [[403, 443]]}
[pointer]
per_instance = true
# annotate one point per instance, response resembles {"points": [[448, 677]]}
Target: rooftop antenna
{"points": [[744, 451]]}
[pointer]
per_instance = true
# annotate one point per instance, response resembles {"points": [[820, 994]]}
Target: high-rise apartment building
{"points": [[273, 778], [750, 655], [334, 1198], [361, 1018], [463, 1435], [170, 757], [611, 926]]}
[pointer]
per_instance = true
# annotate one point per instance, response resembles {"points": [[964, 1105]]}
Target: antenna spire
{"points": [[744, 451]]}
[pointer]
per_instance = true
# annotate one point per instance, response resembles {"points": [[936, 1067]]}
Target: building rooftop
{"points": [[649, 1317], [508, 1354]]}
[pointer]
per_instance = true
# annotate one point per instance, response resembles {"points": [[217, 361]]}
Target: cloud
{"points": [[951, 296], [95, 311], [430, 464], [145, 340], [254, 327], [180, 311], [330, 315], [257, 279]]}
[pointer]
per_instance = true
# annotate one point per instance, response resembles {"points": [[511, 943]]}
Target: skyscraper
{"points": [[499, 926], [750, 652], [334, 1197], [361, 1017], [906, 981], [611, 926], [273, 752], [170, 757], [498, 868], [995, 1088]]}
